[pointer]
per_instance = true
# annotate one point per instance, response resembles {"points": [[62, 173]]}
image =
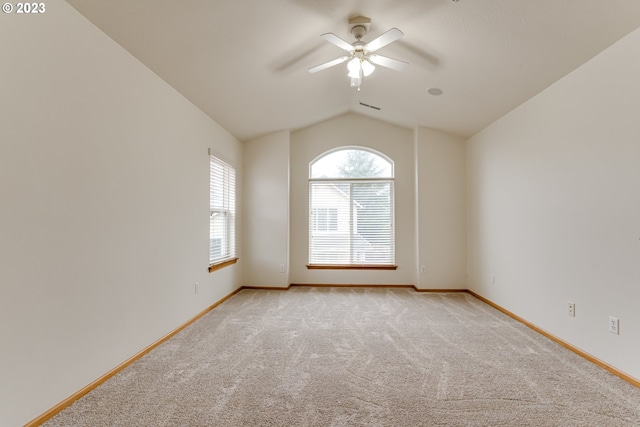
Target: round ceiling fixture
{"points": [[435, 91]]}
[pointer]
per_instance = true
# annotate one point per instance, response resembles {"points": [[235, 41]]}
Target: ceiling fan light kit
{"points": [[361, 58]]}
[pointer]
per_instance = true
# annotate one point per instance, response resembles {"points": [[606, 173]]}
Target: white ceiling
{"points": [[245, 62]]}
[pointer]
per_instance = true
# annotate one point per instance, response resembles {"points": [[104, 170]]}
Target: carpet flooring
{"points": [[357, 357]]}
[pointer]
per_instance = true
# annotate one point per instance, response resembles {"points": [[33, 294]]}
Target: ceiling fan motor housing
{"points": [[359, 26], [358, 31]]}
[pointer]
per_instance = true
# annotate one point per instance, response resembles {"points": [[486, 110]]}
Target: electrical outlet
{"points": [[195, 288], [281, 268], [614, 325], [571, 309], [423, 269]]}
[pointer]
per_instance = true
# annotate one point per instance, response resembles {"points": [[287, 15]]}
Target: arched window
{"points": [[351, 209]]}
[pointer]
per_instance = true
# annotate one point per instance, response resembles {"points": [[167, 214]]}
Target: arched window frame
{"points": [[361, 236]]}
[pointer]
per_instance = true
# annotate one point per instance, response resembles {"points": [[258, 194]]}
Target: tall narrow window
{"points": [[351, 210], [222, 212]]}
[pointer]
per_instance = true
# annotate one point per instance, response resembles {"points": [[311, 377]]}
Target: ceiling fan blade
{"points": [[332, 38], [388, 37], [328, 64], [394, 64]]}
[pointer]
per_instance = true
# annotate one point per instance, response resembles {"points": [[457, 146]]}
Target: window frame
{"points": [[313, 220], [224, 206]]}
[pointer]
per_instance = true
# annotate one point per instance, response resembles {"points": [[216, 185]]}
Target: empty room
{"points": [[420, 212]]}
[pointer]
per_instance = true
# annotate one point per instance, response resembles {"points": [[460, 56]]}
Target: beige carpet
{"points": [[356, 357]]}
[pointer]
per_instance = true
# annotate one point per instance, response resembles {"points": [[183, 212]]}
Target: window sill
{"points": [[351, 267], [222, 264]]}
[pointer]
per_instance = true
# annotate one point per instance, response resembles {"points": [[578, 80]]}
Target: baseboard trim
{"points": [[350, 285], [347, 285], [80, 393], [628, 378]]}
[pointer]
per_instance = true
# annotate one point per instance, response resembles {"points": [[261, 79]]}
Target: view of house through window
{"points": [[222, 211], [351, 204]]}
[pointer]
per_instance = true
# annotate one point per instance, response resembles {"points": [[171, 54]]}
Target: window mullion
{"points": [[351, 235]]}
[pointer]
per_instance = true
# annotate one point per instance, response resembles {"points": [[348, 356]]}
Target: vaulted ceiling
{"points": [[245, 62]]}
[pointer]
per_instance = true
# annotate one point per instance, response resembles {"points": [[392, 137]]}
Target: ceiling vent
{"points": [[373, 107]]}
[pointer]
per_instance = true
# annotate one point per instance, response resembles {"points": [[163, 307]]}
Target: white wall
{"points": [[349, 130], [266, 211], [554, 198], [441, 210], [104, 208]]}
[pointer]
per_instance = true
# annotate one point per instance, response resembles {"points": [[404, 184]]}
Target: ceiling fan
{"points": [[362, 56]]}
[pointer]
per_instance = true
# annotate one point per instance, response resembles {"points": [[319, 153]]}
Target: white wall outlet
{"points": [[423, 269], [571, 309], [281, 268], [614, 325], [195, 288]]}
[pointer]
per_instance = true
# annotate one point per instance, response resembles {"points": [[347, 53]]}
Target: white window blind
{"points": [[351, 220], [222, 211]]}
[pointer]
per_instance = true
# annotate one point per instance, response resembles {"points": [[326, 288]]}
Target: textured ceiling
{"points": [[245, 62]]}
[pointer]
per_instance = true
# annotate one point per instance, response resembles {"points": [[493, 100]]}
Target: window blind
{"points": [[351, 222]]}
